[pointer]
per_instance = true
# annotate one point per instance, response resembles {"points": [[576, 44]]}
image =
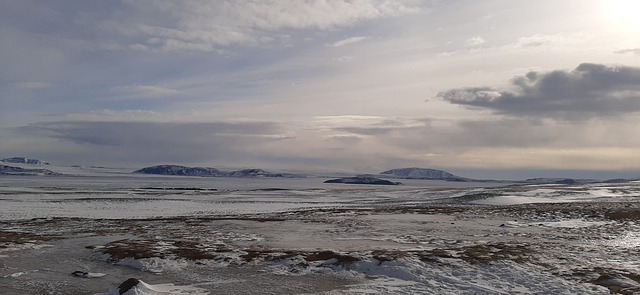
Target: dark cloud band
{"points": [[591, 90]]}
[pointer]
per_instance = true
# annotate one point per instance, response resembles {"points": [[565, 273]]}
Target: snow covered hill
{"points": [[423, 173], [211, 172], [181, 171], [23, 160], [11, 170], [362, 180]]}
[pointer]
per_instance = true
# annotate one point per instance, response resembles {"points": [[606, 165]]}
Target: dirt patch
{"points": [[472, 197], [210, 218], [429, 209], [137, 249], [481, 254], [310, 256], [326, 255], [384, 256], [8, 237], [624, 214], [190, 250]]}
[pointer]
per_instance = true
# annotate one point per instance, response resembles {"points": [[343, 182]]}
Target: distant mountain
{"points": [[211, 172], [362, 180], [180, 170], [563, 181], [22, 160], [423, 173], [249, 173], [11, 170]]}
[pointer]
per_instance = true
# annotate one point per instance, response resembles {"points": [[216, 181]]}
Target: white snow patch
{"points": [[152, 265], [515, 200], [412, 276], [627, 241], [143, 288], [17, 274]]}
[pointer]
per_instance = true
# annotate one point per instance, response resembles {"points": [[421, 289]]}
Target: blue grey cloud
{"points": [[144, 142], [591, 90]]}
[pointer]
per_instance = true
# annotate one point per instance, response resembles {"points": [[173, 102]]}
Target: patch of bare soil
{"points": [[8, 237], [481, 254], [200, 219], [137, 249], [383, 256], [476, 254], [630, 214]]}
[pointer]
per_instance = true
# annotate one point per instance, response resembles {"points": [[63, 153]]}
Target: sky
{"points": [[496, 88]]}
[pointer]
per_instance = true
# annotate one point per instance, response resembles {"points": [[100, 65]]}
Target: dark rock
{"points": [[127, 285], [80, 274]]}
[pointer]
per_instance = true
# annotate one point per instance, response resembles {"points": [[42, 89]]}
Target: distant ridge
{"points": [[180, 170], [23, 160], [362, 180], [211, 172], [11, 170], [424, 173]]}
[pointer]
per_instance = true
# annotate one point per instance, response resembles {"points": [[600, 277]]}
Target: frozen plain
{"points": [[190, 235]]}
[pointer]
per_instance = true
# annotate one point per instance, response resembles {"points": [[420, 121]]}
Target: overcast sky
{"points": [[497, 87]]}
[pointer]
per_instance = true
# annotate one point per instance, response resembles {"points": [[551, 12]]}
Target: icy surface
{"points": [[300, 236]]}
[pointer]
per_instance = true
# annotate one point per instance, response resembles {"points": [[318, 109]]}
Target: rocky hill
{"points": [[11, 170], [362, 180], [22, 160], [210, 172], [423, 173], [180, 170]]}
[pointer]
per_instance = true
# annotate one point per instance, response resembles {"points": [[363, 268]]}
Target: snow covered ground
{"points": [[189, 235]]}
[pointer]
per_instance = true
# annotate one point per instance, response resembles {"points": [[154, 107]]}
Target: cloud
{"points": [[344, 59], [635, 51], [154, 142], [475, 41], [336, 142], [147, 133], [144, 91], [30, 85], [348, 41], [207, 25], [591, 90], [554, 40]]}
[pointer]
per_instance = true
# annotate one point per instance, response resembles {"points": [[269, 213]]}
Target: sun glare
{"points": [[625, 13]]}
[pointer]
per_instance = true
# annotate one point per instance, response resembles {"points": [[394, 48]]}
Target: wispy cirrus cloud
{"points": [[348, 41], [550, 40], [208, 25], [476, 41]]}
